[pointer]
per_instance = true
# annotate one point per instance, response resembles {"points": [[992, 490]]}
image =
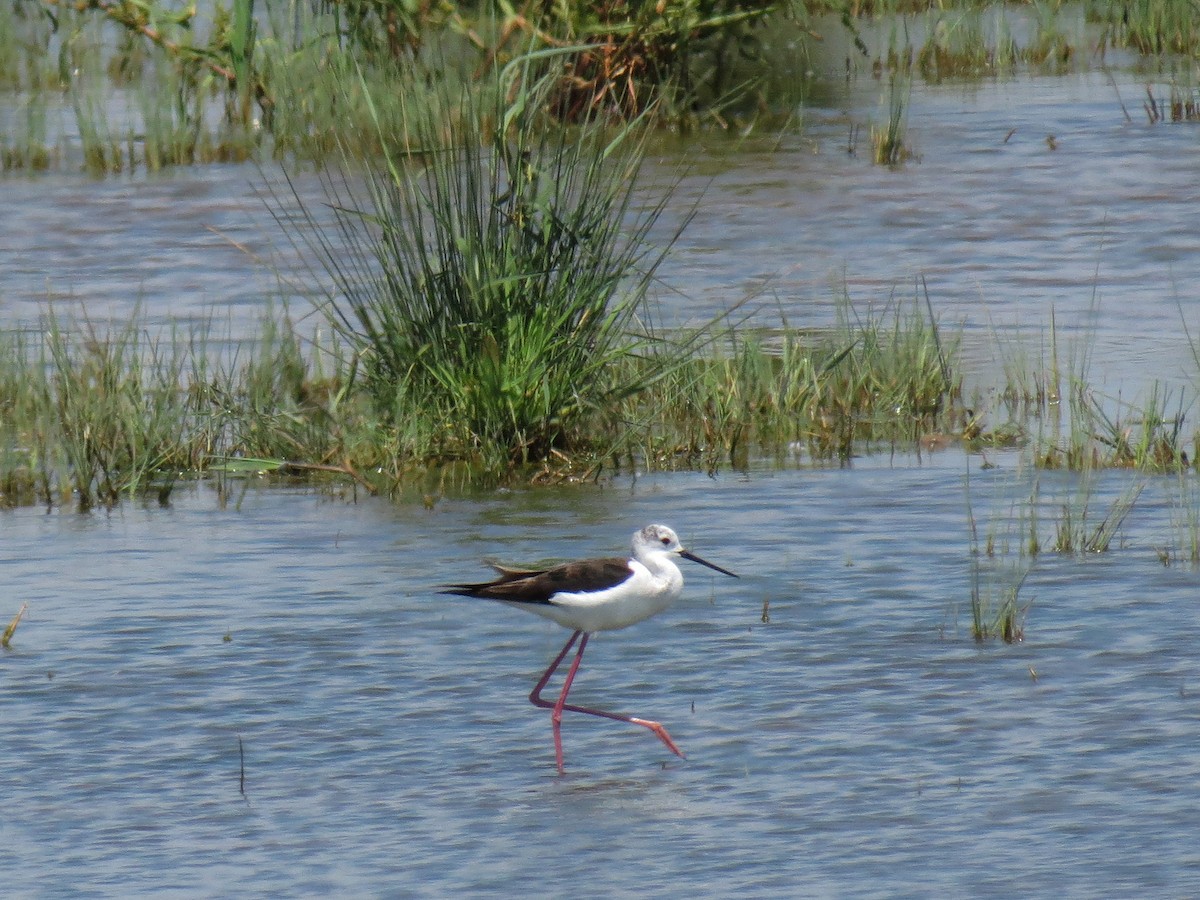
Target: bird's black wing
{"points": [[522, 586]]}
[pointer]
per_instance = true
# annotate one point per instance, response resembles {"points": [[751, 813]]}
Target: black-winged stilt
{"points": [[594, 595]]}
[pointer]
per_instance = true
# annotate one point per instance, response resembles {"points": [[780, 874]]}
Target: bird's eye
{"points": [[666, 541]]}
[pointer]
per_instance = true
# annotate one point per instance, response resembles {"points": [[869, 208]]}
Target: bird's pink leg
{"points": [[535, 696], [561, 705], [556, 715]]}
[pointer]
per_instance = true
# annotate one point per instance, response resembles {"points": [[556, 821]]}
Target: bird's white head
{"points": [[659, 540], [656, 539]]}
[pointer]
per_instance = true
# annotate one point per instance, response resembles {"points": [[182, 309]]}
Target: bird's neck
{"points": [[663, 568]]}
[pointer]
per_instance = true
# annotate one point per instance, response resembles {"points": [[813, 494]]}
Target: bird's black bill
{"points": [[704, 562]]}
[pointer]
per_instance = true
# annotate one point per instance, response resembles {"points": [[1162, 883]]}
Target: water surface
{"points": [[859, 742], [1000, 228]]}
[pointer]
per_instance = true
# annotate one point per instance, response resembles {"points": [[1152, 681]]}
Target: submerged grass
{"points": [[975, 40], [1077, 529], [94, 415], [560, 388], [150, 86], [1151, 27], [1014, 541], [1184, 545], [155, 84], [1072, 427], [998, 575], [119, 412], [877, 378], [889, 142]]}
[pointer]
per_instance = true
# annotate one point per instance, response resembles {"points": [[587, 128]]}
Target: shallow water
{"points": [[999, 227], [859, 742]]}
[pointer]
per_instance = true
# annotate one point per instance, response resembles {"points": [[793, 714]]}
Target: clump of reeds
{"points": [[490, 286], [997, 610], [1185, 523], [1152, 27], [996, 582], [119, 411], [1078, 429], [740, 396], [1181, 105], [683, 61], [1076, 529], [1001, 562], [889, 142], [958, 46], [876, 378], [973, 41], [93, 415], [1095, 432]]}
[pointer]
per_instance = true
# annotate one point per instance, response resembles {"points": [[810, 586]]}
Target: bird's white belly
{"points": [[639, 597]]}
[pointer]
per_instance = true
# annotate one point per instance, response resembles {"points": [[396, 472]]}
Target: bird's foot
{"points": [[658, 729]]}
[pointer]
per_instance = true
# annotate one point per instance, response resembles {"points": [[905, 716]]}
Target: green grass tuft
{"points": [[490, 286]]}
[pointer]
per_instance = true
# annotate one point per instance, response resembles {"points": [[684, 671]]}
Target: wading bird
{"points": [[594, 595]]}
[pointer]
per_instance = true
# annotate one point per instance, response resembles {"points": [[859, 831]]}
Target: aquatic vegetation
{"points": [[889, 144], [997, 610], [1077, 429], [27, 147], [120, 416], [227, 82], [971, 40], [878, 378], [1181, 105], [94, 416], [625, 59], [7, 636], [1184, 521], [89, 416], [1151, 27], [242, 79], [742, 397], [489, 289], [997, 575], [142, 96], [1067, 503], [1076, 531], [959, 44], [1003, 561], [155, 86], [247, 79]]}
